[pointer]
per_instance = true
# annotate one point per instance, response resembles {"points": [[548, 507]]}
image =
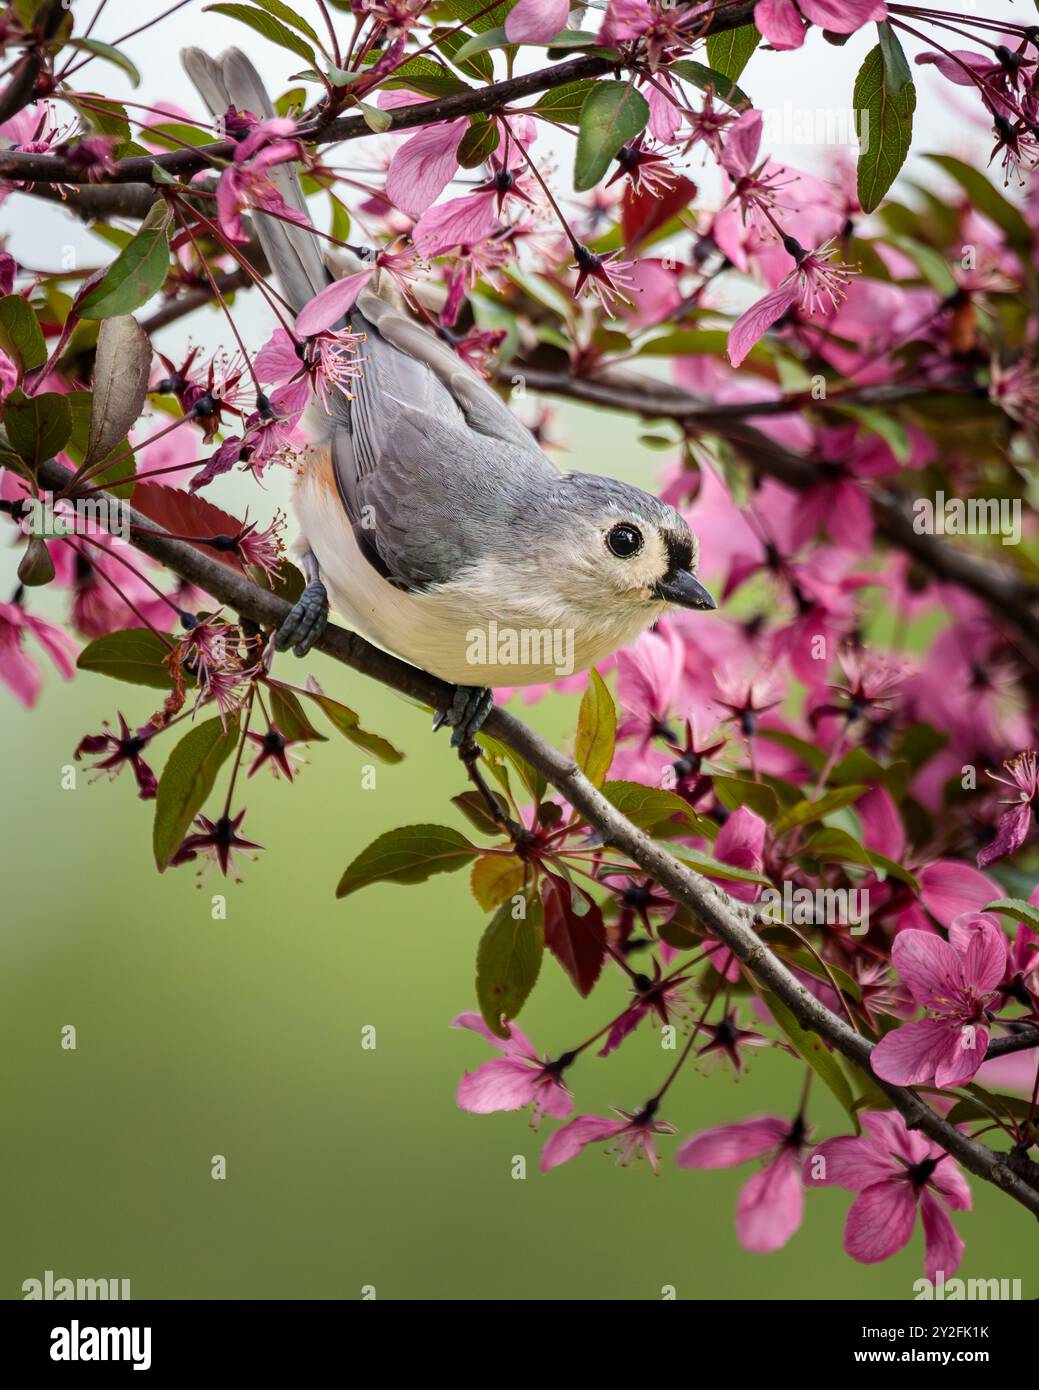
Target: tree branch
{"points": [[727, 919], [183, 163]]}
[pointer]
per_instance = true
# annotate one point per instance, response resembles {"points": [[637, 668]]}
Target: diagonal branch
{"points": [[729, 920]]}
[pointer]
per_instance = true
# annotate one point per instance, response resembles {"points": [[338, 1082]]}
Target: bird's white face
{"points": [[623, 562]]}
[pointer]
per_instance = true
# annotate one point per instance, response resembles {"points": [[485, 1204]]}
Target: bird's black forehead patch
{"points": [[679, 551]]}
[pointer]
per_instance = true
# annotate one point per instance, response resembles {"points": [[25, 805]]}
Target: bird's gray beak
{"points": [[684, 589]]}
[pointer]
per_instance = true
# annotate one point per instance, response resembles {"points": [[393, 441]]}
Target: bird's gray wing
{"points": [[292, 251], [431, 464]]}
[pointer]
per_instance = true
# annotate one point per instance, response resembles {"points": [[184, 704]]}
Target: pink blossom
{"points": [[780, 22], [895, 1172], [632, 1137], [516, 1079], [247, 181], [458, 222], [18, 671], [771, 1204], [814, 284], [327, 308], [424, 165], [954, 980], [536, 21], [1014, 825]]}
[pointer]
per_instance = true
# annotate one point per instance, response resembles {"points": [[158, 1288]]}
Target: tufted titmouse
{"points": [[429, 514]]}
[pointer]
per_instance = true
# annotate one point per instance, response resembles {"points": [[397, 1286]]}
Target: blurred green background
{"points": [[345, 1167]]}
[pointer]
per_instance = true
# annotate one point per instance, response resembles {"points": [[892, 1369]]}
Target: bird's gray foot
{"points": [[470, 706], [306, 622]]}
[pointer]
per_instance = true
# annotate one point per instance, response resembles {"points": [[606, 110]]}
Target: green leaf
{"points": [[804, 960], [565, 103], [478, 143], [38, 427], [349, 725], [596, 730], [985, 1102], [613, 114], [480, 43], [498, 754], [734, 792], [101, 115], [450, 44], [290, 717], [805, 812], [119, 463], [704, 77], [468, 12], [811, 1049], [1016, 908], [137, 272], [474, 808], [121, 367], [408, 855], [889, 129], [987, 199], [289, 16], [136, 655], [897, 71], [110, 55], [730, 53], [892, 869], [496, 877], [21, 336], [508, 961], [655, 809], [714, 868], [425, 76], [375, 118], [268, 26], [187, 779]]}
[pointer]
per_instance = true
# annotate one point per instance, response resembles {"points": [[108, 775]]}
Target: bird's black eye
{"points": [[624, 541]]}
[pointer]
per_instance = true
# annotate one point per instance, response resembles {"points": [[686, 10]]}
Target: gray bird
{"points": [[428, 513]]}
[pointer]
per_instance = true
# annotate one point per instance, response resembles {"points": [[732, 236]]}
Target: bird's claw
{"points": [[306, 622], [470, 706]]}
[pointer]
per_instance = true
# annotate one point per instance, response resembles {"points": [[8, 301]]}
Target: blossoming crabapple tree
{"points": [[857, 720]]}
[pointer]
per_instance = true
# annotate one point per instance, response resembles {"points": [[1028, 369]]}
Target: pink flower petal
{"points": [[882, 830], [930, 967], [729, 1145], [468, 219], [1011, 833], [500, 1084], [760, 317], [943, 1248], [912, 1054], [963, 1056], [327, 308], [741, 840], [848, 1162], [770, 1206], [423, 166], [779, 22], [742, 143], [843, 16], [517, 1044], [535, 21], [568, 1142], [880, 1221], [948, 888]]}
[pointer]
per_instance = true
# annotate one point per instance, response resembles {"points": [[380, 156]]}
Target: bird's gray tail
{"points": [[292, 252]]}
